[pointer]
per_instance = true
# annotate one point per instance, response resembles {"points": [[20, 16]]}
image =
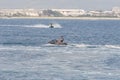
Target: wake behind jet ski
{"points": [[58, 41]]}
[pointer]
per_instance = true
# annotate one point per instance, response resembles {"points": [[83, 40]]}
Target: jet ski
{"points": [[51, 26], [56, 43]]}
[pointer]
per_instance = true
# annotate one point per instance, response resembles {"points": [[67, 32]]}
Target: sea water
{"points": [[92, 53]]}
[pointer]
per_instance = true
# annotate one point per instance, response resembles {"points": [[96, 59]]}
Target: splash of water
{"points": [[56, 25], [44, 26]]}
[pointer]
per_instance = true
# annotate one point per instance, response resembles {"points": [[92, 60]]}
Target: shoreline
{"points": [[81, 18]]}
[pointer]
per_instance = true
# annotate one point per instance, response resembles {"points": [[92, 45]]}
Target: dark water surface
{"points": [[92, 53]]}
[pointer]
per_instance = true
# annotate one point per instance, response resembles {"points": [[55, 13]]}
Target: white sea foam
{"points": [[113, 46], [96, 46], [87, 46], [15, 47], [37, 26], [48, 45], [56, 25], [44, 26], [12, 25], [80, 45], [54, 45], [18, 47]]}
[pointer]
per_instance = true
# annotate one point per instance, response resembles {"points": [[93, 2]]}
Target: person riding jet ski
{"points": [[51, 26], [59, 41]]}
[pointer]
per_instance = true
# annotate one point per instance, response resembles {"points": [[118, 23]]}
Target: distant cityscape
{"points": [[113, 13]]}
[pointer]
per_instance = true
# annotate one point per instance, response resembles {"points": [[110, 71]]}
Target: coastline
{"points": [[82, 18]]}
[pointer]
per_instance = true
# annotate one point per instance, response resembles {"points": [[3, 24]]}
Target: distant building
{"points": [[99, 13], [116, 11], [31, 12], [19, 12], [70, 12], [94, 13]]}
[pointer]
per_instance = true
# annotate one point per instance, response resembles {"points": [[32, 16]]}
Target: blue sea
{"points": [[92, 53]]}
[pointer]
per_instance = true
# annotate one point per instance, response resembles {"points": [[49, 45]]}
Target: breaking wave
{"points": [[69, 45], [35, 25], [44, 26], [113, 46], [96, 46]]}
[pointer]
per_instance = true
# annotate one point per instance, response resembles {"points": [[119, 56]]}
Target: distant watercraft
{"points": [[51, 26], [56, 43]]}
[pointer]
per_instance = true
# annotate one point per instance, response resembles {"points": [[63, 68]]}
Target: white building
{"points": [[94, 13], [116, 9], [18, 12], [31, 12], [70, 12]]}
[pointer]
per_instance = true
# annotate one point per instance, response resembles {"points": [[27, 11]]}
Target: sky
{"points": [[60, 4]]}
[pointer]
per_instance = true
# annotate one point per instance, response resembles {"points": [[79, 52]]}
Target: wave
{"points": [[53, 45], [20, 45], [73, 45], [87, 46], [113, 46], [35, 25], [44, 26], [13, 25], [96, 46]]}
